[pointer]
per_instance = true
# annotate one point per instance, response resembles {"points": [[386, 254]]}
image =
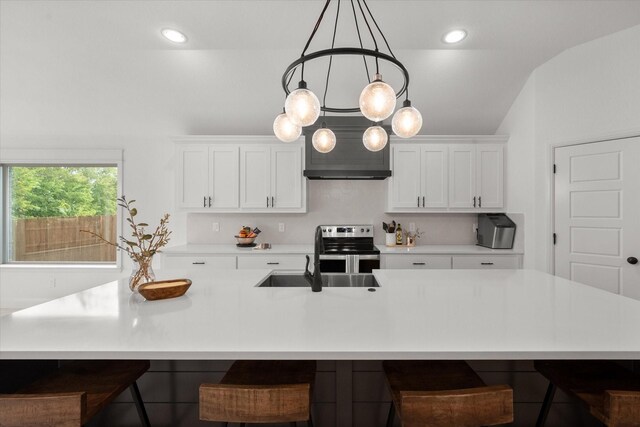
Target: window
{"points": [[48, 205]]}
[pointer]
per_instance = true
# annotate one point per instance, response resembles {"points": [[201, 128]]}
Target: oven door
{"points": [[333, 263]]}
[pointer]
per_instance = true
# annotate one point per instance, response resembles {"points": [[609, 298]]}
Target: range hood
{"points": [[350, 159]]}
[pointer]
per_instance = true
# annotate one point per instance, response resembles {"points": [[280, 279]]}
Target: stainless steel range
{"points": [[348, 249]]}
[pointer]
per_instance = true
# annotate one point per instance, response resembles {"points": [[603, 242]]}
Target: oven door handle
{"points": [[368, 257], [333, 257]]}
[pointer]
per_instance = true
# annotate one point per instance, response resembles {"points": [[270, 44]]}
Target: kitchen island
{"points": [[415, 314]]}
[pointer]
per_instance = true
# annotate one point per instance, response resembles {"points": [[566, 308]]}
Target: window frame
{"points": [[55, 157]]}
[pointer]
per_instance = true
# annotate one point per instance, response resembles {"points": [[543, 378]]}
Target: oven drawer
{"points": [[486, 261], [274, 262], [439, 262]]}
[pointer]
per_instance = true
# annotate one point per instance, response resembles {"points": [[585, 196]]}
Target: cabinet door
{"points": [[405, 182], [223, 171], [434, 172], [462, 176], [254, 177], [489, 175], [286, 177], [192, 179]]}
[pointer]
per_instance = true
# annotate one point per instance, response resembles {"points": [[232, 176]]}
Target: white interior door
{"points": [[597, 214]]}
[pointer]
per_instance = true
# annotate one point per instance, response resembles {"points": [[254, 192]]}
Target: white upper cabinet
{"points": [[447, 174], [462, 176], [192, 180], [271, 178], [239, 174]]}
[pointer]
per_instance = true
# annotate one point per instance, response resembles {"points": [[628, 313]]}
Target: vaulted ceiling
{"points": [[102, 67]]}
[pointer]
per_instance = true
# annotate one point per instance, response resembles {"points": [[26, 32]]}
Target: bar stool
{"points": [[72, 394], [260, 391], [611, 392], [444, 394]]}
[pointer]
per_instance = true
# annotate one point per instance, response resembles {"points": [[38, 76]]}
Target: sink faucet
{"points": [[315, 279]]}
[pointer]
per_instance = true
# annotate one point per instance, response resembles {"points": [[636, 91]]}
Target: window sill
{"points": [[59, 267]]}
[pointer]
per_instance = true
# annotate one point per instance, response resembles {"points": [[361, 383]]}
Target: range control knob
{"points": [[329, 230], [324, 230], [368, 230], [362, 230]]}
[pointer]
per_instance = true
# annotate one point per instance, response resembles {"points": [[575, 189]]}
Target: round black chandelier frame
{"points": [[375, 53]]}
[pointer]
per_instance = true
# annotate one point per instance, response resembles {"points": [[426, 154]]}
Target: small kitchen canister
{"points": [[390, 239]]}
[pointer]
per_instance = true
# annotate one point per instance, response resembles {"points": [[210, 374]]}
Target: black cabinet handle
{"points": [[267, 201], [632, 260], [209, 201], [423, 201], [418, 201], [474, 201], [486, 263], [198, 263], [273, 202], [479, 201], [273, 263], [419, 263], [204, 202]]}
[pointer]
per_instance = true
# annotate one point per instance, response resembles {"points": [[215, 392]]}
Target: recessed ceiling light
{"points": [[454, 36], [174, 35]]}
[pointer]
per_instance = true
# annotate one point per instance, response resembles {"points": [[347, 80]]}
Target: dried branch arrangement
{"points": [[143, 245]]}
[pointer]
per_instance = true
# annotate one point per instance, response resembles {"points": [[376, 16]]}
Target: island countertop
{"points": [[415, 314]]}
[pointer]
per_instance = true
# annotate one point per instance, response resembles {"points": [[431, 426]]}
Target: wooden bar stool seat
{"points": [[257, 391], [611, 392], [72, 394], [444, 394]]}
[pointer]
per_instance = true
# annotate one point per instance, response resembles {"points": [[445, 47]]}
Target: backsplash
{"points": [[333, 202]]}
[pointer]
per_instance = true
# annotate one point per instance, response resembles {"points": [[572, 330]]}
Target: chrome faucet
{"points": [[315, 279]]}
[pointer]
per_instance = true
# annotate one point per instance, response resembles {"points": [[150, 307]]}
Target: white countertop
{"points": [[230, 249], [445, 250], [421, 314]]}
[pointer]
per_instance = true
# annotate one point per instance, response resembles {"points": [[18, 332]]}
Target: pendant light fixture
{"points": [[377, 100]]}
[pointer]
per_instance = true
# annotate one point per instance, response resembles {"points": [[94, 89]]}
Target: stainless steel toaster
{"points": [[495, 230]]}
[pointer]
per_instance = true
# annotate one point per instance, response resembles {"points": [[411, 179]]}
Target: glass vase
{"points": [[142, 273]]}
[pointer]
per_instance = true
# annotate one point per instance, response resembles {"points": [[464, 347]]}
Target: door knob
{"points": [[632, 260]]}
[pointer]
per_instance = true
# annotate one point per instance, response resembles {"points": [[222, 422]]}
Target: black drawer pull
{"points": [[198, 263], [419, 263], [273, 263], [486, 263]]}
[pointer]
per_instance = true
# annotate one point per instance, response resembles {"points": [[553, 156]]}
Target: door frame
{"points": [[551, 155]]}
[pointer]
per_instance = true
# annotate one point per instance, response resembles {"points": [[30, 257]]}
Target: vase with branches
{"points": [[141, 246]]}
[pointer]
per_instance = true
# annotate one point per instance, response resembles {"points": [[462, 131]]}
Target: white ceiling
{"points": [[102, 68]]}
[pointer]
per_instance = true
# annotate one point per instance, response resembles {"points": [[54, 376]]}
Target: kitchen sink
{"points": [[329, 280]]}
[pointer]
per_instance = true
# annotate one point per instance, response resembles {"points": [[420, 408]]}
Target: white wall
{"points": [[588, 93]]}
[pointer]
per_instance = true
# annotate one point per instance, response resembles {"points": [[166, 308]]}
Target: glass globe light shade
{"points": [[302, 106], [285, 130], [323, 140], [375, 138], [407, 121], [377, 100]]}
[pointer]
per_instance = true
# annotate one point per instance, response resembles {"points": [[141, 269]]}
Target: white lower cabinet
{"points": [[198, 262], [274, 262], [416, 262], [486, 261]]}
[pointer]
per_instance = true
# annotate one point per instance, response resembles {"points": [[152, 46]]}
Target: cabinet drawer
{"points": [[192, 262], [486, 261], [417, 261], [275, 262]]}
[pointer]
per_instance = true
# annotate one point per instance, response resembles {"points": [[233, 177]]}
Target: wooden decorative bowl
{"points": [[164, 289]]}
